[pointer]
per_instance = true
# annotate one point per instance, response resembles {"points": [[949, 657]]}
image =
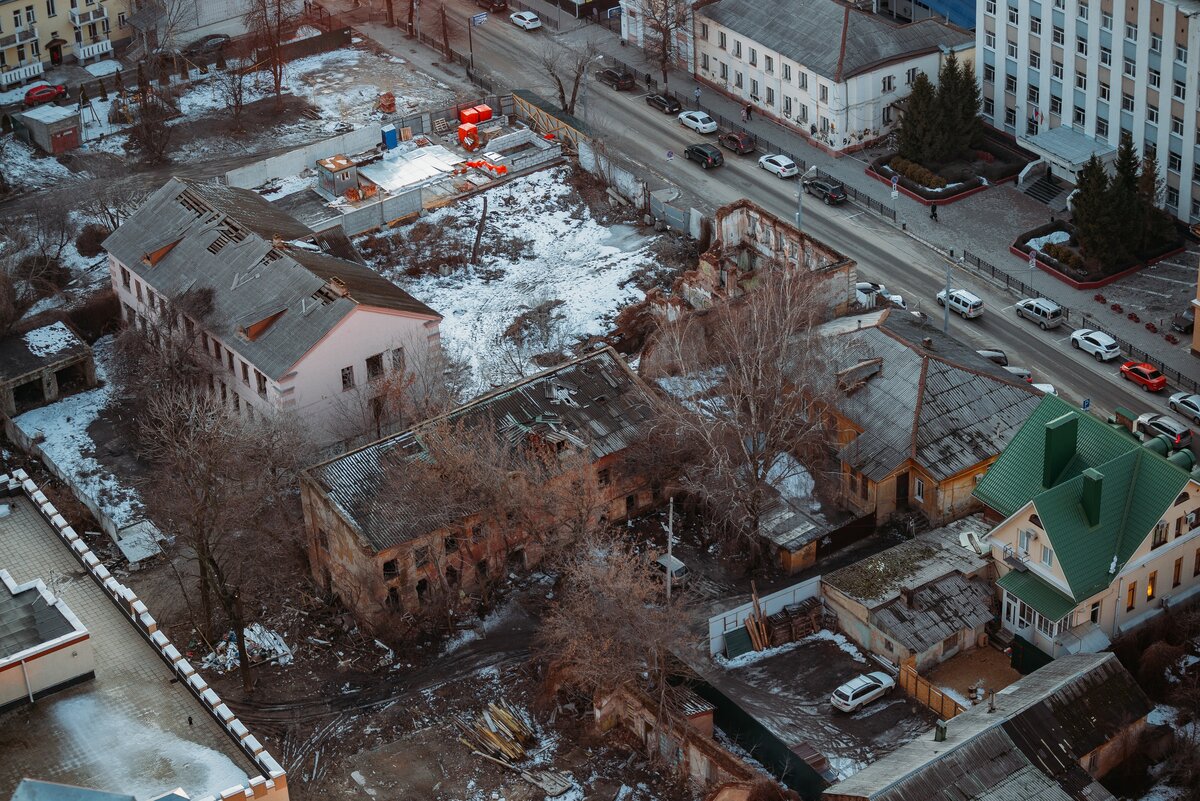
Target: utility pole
{"points": [[670, 538], [946, 304]]}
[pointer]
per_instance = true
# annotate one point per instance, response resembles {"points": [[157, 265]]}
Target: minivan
{"points": [[676, 569], [961, 302], [1046, 313]]}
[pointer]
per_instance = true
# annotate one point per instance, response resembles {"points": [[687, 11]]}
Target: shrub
{"points": [[1064, 255], [89, 239], [984, 156], [96, 316]]}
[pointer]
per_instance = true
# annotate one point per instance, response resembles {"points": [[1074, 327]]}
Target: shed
{"points": [[55, 129], [40, 366]]}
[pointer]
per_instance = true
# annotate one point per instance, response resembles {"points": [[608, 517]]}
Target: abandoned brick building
{"points": [[41, 366], [379, 555]]}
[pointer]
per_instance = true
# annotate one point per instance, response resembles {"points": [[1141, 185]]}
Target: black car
{"points": [[707, 155], [663, 103], [831, 192], [494, 6], [616, 79], [208, 44], [1184, 321], [738, 141]]}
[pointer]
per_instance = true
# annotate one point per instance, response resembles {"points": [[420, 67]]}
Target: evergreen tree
{"points": [[1124, 204], [958, 101], [916, 138], [141, 78], [947, 142], [103, 92], [967, 105], [118, 84], [1157, 226], [1093, 215]]}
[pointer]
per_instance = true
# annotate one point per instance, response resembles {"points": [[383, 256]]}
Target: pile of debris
{"points": [[500, 731], [262, 645], [793, 622]]}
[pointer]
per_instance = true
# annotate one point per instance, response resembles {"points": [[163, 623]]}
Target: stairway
{"points": [[1045, 189]]}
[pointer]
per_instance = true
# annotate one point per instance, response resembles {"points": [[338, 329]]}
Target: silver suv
{"points": [[962, 302], [1151, 425], [1046, 313]]}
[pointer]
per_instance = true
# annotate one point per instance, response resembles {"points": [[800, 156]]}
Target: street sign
{"points": [[1032, 259], [1087, 404], [670, 155], [895, 187], [478, 20]]}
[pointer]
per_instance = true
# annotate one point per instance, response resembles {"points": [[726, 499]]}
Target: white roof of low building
{"points": [[51, 113]]}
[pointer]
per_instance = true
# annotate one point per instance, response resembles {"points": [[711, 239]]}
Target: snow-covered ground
{"points": [[752, 657], [570, 258], [67, 443], [27, 167], [1052, 238]]}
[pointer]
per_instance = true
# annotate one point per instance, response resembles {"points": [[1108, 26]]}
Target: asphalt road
{"points": [[644, 135]]}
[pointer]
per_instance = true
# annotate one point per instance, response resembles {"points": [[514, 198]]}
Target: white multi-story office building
{"points": [[1066, 77]]}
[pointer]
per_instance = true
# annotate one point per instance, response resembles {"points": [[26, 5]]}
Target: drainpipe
{"points": [[25, 675], [1116, 610]]}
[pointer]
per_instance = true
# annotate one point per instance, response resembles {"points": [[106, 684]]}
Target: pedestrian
{"points": [[933, 212], [743, 115], [749, 112], [696, 94], [649, 81]]}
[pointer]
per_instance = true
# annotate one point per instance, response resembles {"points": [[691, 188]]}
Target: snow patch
{"points": [[101, 68], [1052, 238], [752, 657], [51, 339]]}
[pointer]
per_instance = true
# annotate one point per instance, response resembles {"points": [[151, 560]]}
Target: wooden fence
{"points": [[943, 705]]}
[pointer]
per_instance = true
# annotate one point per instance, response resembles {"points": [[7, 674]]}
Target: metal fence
{"points": [[1076, 318], [764, 144]]}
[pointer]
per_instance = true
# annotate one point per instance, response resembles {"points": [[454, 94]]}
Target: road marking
{"points": [[1150, 292], [1172, 280]]}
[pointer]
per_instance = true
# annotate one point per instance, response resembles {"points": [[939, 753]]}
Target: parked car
{"points": [[206, 44], [525, 19], [46, 93], [1184, 321], [1023, 373], [862, 690], [1188, 404], [678, 570], [870, 294], [494, 6], [1097, 343], [961, 302], [698, 121], [1046, 313], [780, 165], [617, 79], [1151, 425], [739, 142], [1045, 389], [667, 105], [831, 192], [706, 155], [1144, 375], [994, 355]]}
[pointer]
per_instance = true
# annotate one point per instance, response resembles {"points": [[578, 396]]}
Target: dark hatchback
{"points": [[738, 141], [706, 155], [616, 79], [663, 103]]}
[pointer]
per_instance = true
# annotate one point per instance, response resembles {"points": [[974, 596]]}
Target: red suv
{"points": [[44, 94], [738, 141]]}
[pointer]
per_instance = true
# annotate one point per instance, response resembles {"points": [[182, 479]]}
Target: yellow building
{"points": [[36, 35]]}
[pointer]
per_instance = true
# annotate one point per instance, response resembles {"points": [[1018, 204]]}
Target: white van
{"points": [[962, 302]]}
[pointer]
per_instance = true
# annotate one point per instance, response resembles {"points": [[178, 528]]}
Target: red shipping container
{"points": [[485, 113], [468, 135], [468, 115]]}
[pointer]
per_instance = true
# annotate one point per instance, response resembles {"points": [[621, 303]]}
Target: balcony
{"points": [[19, 36], [20, 74], [100, 47], [81, 18]]}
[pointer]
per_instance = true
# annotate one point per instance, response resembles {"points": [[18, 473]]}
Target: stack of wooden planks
{"points": [[808, 617], [756, 623], [501, 731]]}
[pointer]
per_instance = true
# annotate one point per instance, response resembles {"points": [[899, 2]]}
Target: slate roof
{"points": [[22, 354], [252, 277], [1029, 747], [940, 609], [946, 408], [831, 38], [1138, 487], [26, 620], [595, 399]]}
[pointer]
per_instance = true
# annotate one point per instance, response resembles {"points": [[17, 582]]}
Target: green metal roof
{"points": [[1049, 602], [1137, 487]]}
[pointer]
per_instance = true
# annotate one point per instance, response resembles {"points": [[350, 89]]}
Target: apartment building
{"points": [[38, 34], [1066, 77], [279, 324], [832, 70]]}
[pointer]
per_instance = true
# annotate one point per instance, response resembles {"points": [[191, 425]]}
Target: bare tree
{"points": [[152, 133], [164, 351], [610, 624], [664, 22], [444, 29], [231, 84], [567, 69], [225, 486], [112, 200], [754, 377], [51, 228], [270, 22]]}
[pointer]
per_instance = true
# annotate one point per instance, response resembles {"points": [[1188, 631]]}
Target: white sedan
{"points": [[1097, 343], [861, 690], [779, 164], [1186, 403], [526, 19], [698, 121]]}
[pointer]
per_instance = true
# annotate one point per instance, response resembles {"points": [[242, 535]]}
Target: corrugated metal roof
{"points": [[1049, 602], [27, 620], [595, 398], [835, 40], [940, 609], [943, 406], [222, 240]]}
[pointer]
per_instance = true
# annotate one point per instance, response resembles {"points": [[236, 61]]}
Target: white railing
{"points": [[80, 18], [21, 74], [19, 36], [86, 51]]}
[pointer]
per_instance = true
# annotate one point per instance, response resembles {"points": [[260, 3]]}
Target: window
{"points": [[1035, 61], [229, 359], [1105, 92], [261, 381], [704, 61], [1172, 197], [1080, 81], [1152, 114], [1058, 36], [919, 490], [391, 569], [347, 378], [1174, 162], [1094, 614], [950, 643], [1180, 92], [1060, 4], [787, 106], [121, 20], [768, 64], [450, 543], [1181, 53], [1106, 21], [1126, 101], [1010, 83], [1034, 94], [1196, 567], [1130, 68], [1079, 116], [125, 278], [770, 96], [1055, 105], [477, 533], [721, 39], [737, 80], [1047, 556], [1155, 43], [1131, 31], [889, 83], [754, 88], [737, 48], [374, 366], [989, 106], [989, 74], [1011, 49], [604, 476], [1057, 70], [704, 31], [887, 115], [803, 78], [1131, 596], [1160, 534], [787, 72], [1035, 26], [724, 71], [1177, 126], [1080, 45], [1155, 78], [30, 17], [887, 645], [1177, 573], [1010, 116], [50, 9], [1026, 536], [753, 57], [245, 374], [990, 7], [1083, 11], [1152, 585], [1105, 56], [823, 93], [989, 40], [1014, 16], [1101, 128]]}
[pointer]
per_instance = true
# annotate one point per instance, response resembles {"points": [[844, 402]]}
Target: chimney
{"points": [[909, 597], [927, 343], [992, 701], [1060, 447], [1093, 483], [939, 732]]}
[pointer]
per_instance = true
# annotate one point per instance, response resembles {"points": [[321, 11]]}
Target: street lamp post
{"points": [[800, 196]]}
